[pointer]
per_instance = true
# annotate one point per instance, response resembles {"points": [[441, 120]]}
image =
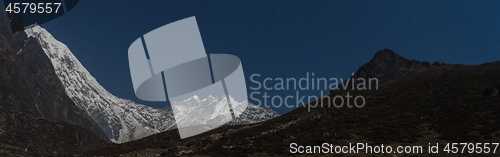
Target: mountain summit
{"points": [[386, 65]]}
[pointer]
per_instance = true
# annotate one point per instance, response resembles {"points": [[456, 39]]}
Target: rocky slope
{"points": [[22, 133], [121, 119], [33, 103]]}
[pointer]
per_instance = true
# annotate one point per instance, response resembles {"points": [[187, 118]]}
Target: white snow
{"points": [[121, 119]]}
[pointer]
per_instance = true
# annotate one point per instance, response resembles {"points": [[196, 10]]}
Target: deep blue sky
{"points": [[285, 38]]}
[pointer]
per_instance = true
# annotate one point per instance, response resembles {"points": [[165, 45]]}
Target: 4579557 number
{"points": [[40, 8], [471, 147]]}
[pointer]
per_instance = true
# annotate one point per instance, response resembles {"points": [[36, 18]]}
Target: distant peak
{"points": [[386, 53], [195, 97], [386, 65], [387, 56]]}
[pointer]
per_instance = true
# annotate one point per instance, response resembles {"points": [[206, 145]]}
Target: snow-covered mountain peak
{"points": [[121, 119], [195, 97]]}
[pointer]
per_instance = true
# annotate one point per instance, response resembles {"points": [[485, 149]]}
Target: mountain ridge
{"points": [[386, 65], [430, 104], [121, 119]]}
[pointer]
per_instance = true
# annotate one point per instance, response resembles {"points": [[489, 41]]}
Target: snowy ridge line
{"points": [[121, 119]]}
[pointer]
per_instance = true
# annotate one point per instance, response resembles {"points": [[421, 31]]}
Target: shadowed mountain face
{"points": [[31, 92], [417, 103], [386, 65]]}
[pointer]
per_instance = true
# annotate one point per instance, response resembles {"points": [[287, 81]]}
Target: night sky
{"points": [[285, 38]]}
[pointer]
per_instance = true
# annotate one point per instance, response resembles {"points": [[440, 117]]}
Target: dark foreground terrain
{"points": [[37, 118], [417, 103]]}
